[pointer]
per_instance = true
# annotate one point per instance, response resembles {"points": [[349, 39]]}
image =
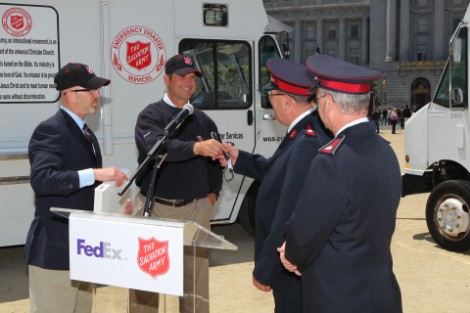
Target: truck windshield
{"points": [[453, 90], [226, 66]]}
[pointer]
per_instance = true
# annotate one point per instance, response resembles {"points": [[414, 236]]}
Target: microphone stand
{"points": [[153, 154]]}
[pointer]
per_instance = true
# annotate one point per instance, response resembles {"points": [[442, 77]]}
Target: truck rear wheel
{"points": [[246, 216], [448, 215]]}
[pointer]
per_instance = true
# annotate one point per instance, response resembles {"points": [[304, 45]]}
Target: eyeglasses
{"points": [[270, 94], [92, 91], [86, 90], [316, 99]]}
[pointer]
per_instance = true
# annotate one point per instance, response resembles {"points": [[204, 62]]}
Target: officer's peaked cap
{"points": [[341, 76], [289, 77]]}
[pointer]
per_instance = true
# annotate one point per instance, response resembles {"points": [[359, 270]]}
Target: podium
{"points": [[135, 252]]}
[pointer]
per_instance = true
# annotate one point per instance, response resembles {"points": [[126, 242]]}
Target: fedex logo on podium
{"points": [[103, 250]]}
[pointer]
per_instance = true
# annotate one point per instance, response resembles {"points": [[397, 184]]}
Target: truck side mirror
{"points": [[456, 50]]}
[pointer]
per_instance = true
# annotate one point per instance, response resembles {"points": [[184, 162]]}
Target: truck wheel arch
{"points": [[246, 215], [448, 215]]}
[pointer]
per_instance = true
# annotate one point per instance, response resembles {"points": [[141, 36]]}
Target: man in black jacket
{"points": [[66, 163], [188, 182]]}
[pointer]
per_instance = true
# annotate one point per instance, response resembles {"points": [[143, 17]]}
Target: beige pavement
{"points": [[432, 280]]}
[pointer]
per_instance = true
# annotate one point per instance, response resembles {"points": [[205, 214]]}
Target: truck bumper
{"points": [[413, 184]]}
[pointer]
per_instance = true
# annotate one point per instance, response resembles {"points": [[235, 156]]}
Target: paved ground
{"points": [[432, 280]]}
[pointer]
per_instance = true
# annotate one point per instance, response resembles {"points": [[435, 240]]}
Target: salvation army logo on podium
{"points": [[153, 257]]}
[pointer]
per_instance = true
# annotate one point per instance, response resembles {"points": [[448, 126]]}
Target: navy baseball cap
{"points": [[289, 76], [181, 65], [77, 74], [341, 76]]}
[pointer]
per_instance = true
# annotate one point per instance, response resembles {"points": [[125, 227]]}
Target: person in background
{"points": [[187, 184], [282, 177], [338, 238], [394, 119], [376, 118], [66, 166]]}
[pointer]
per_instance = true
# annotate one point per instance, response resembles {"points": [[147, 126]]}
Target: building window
{"points": [[331, 31], [422, 25], [422, 52], [354, 31], [331, 52], [309, 32], [354, 55]]}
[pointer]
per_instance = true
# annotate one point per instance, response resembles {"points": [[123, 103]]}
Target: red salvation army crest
{"points": [[17, 22], [138, 54], [153, 257]]}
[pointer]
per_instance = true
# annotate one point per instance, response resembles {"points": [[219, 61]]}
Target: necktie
{"points": [[87, 133]]}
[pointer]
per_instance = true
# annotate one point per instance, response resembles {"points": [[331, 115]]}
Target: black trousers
{"points": [[287, 293]]}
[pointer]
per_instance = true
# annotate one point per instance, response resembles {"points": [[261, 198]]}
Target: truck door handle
{"points": [[249, 117]]}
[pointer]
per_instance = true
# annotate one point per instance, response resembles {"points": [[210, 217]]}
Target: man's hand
{"points": [[288, 265], [212, 198], [209, 148], [260, 286], [232, 152], [128, 208], [110, 174]]}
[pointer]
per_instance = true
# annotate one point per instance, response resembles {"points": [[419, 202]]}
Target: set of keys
{"points": [[216, 136]]}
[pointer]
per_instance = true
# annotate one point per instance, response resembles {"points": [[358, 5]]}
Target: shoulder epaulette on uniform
{"points": [[332, 146], [309, 131]]}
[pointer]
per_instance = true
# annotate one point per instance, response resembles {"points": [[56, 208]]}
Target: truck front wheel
{"points": [[448, 215], [246, 215]]}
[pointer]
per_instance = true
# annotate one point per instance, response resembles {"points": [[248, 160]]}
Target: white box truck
{"points": [[437, 149], [129, 41]]}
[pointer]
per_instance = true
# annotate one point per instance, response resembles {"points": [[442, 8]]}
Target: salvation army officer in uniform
{"points": [[339, 235], [282, 177]]}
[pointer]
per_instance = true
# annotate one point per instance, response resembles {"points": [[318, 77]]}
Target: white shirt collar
{"points": [[300, 117], [168, 101], [355, 122]]}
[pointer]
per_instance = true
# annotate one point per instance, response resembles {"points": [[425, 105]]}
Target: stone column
{"points": [[404, 30], [320, 35], [365, 40], [298, 41], [391, 30], [342, 39], [438, 31]]}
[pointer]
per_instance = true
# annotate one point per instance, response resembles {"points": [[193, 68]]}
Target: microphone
{"points": [[178, 119]]}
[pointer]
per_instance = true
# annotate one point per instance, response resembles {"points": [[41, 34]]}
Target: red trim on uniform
{"points": [[282, 85], [346, 87], [293, 133], [309, 131]]}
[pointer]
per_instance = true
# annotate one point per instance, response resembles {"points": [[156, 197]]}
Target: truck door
{"points": [[225, 93], [448, 114]]}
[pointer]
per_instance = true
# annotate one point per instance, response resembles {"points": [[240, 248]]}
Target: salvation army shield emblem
{"points": [[153, 257], [17, 21], [138, 55]]}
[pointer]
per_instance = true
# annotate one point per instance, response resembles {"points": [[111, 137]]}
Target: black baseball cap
{"points": [[181, 65], [77, 74]]}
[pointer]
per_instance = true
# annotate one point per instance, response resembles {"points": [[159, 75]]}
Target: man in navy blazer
{"points": [[282, 177], [340, 232], [66, 166]]}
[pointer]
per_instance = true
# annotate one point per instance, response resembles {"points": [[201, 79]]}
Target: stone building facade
{"points": [[405, 39]]}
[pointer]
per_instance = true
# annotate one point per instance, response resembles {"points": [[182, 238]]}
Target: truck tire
{"points": [[246, 216], [448, 215]]}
